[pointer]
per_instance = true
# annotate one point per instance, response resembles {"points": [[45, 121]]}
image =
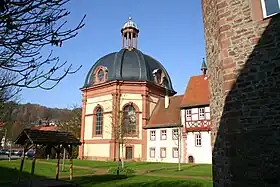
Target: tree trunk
{"points": [[122, 156], [21, 164], [33, 167], [57, 164], [63, 160], [71, 162], [119, 158]]}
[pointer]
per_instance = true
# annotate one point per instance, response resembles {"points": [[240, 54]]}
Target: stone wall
{"points": [[243, 56]]}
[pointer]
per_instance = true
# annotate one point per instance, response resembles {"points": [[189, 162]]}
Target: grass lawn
{"points": [[203, 170], [83, 177], [139, 181], [10, 169], [168, 168]]}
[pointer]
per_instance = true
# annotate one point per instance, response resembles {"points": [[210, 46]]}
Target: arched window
{"points": [[99, 121], [159, 77], [129, 120], [100, 75]]}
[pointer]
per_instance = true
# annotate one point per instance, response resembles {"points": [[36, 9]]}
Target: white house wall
{"points": [[169, 144], [202, 154]]}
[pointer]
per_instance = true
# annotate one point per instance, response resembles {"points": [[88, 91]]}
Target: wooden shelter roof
{"points": [[45, 137]]}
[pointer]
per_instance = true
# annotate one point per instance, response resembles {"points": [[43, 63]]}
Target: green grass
{"points": [[92, 164], [41, 170], [203, 170], [139, 181], [133, 165], [44, 170]]}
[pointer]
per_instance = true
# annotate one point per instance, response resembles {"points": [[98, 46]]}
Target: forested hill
{"points": [[20, 116]]}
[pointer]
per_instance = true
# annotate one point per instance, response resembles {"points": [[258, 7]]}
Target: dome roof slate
{"points": [[128, 65]]}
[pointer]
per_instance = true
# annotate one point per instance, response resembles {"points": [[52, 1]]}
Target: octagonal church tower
{"points": [[120, 92]]}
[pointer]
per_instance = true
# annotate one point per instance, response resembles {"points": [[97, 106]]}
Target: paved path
{"points": [[147, 172]]}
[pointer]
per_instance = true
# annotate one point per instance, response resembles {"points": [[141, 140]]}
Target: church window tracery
{"points": [[100, 74]]}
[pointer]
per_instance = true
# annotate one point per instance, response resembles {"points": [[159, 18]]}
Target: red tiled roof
{"points": [[45, 128], [197, 92], [166, 117]]}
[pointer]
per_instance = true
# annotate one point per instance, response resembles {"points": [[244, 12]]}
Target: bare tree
{"points": [[122, 129], [72, 123], [27, 27], [9, 93]]}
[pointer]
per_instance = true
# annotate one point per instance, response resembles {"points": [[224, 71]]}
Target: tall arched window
{"points": [[99, 121], [129, 120]]}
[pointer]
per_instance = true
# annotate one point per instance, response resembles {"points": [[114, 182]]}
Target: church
{"points": [[130, 110]]}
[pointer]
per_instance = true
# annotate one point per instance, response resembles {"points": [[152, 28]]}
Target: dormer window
{"points": [[100, 74], [159, 77]]}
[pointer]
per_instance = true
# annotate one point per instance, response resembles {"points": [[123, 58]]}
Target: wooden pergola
{"points": [[38, 139]]}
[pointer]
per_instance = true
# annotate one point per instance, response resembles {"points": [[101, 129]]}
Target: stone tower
{"points": [[243, 58]]}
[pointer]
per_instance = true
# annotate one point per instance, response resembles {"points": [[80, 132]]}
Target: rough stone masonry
{"points": [[243, 57]]}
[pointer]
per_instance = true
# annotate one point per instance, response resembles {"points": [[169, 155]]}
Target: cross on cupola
{"points": [[129, 34]]}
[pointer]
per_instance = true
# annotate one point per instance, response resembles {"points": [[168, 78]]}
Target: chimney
{"points": [[166, 101]]}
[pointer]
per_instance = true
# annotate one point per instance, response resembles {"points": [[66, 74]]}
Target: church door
{"points": [[128, 153]]}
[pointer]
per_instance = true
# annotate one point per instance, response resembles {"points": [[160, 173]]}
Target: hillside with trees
{"points": [[19, 116]]}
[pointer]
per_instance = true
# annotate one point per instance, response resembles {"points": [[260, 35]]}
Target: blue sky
{"points": [[170, 31]]}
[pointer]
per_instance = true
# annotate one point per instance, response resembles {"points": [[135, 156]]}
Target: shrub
{"points": [[122, 171]]}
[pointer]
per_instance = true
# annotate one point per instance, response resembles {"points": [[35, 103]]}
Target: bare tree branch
{"points": [[27, 27]]}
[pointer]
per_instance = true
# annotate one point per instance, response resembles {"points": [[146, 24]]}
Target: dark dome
{"points": [[130, 65]]}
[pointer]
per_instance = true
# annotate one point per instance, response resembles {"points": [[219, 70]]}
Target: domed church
{"points": [[127, 80], [120, 94]]}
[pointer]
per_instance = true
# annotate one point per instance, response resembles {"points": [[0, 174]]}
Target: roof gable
{"points": [[46, 137], [166, 117], [197, 92]]}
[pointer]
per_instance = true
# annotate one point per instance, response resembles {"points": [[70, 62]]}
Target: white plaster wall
{"points": [[135, 98], [194, 114], [106, 103], [158, 143], [88, 127], [98, 150], [203, 154]]}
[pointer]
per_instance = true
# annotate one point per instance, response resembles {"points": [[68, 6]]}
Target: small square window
{"points": [[175, 152], [152, 135], [163, 152], [152, 152], [189, 114], [163, 135], [198, 140], [202, 113], [270, 7], [175, 134]]}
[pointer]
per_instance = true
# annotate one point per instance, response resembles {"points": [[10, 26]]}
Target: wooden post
{"points": [[71, 161], [33, 166], [57, 164], [21, 164]]}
